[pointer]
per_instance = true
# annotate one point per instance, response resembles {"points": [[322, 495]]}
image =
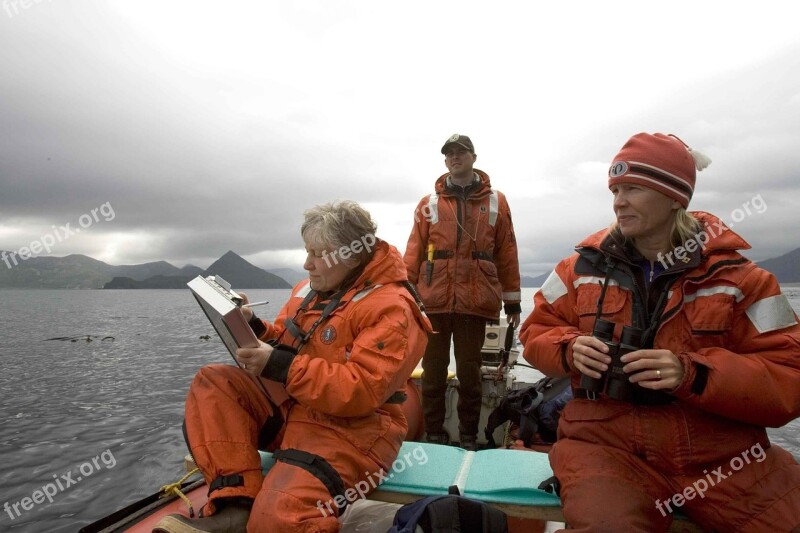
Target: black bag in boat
{"points": [[449, 514], [537, 409]]}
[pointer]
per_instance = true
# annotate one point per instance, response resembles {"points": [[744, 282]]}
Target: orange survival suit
{"points": [[701, 449], [475, 263], [343, 421], [462, 256]]}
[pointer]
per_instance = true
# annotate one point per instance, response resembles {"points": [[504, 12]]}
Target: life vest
{"points": [[433, 207]]}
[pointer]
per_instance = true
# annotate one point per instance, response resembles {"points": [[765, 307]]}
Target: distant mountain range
{"points": [[82, 272], [537, 281], [230, 267], [786, 267], [292, 276]]}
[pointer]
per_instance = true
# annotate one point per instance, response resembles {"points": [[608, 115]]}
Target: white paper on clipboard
{"points": [[221, 306]]}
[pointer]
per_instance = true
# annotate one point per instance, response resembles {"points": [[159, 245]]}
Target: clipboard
{"points": [[222, 307]]}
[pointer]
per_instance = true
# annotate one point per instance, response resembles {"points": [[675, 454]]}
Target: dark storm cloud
{"points": [[197, 161], [90, 115]]}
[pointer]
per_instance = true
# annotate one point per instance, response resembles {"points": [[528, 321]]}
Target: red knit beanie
{"points": [[661, 162]]}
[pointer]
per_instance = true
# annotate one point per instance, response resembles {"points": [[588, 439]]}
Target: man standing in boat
{"points": [[462, 256], [681, 351]]}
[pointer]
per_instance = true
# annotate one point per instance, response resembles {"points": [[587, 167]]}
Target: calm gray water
{"points": [[96, 425]]}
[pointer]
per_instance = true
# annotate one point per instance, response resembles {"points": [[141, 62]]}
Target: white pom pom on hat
{"points": [[701, 160]]}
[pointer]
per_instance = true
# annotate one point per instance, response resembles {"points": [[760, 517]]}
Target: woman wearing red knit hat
{"points": [[681, 352]]}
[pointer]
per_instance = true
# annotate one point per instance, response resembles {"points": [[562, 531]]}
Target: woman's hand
{"points": [[654, 369], [246, 311], [253, 360], [589, 356]]}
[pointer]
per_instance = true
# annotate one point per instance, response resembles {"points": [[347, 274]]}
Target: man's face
{"points": [[459, 160]]}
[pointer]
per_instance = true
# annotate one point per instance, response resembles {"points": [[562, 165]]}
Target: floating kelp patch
{"points": [[83, 338]]}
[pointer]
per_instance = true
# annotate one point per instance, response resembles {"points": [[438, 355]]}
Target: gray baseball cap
{"points": [[461, 140]]}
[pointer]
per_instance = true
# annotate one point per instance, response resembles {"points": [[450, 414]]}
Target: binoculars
{"points": [[614, 382]]}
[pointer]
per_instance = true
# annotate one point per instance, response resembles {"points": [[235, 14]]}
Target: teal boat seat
{"points": [[508, 479], [496, 475]]}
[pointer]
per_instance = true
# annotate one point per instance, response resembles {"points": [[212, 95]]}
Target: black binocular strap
{"points": [[317, 467], [412, 290], [658, 315], [302, 336], [291, 325], [610, 267], [654, 320]]}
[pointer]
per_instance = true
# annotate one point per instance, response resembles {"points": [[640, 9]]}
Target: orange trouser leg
{"points": [[292, 500], [225, 410], [604, 489], [608, 489], [762, 495]]}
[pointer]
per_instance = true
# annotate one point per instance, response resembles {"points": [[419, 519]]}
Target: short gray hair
{"points": [[340, 224]]}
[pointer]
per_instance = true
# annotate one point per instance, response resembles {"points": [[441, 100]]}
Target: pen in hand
{"points": [[256, 303]]}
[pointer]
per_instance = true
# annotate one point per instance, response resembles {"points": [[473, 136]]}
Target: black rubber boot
{"points": [[469, 442], [438, 438]]}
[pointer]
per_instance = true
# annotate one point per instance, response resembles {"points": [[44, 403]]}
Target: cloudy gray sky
{"points": [[209, 126]]}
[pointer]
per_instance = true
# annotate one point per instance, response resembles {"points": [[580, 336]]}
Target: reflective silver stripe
{"points": [[771, 314], [364, 292], [303, 291], [493, 207], [711, 291], [512, 296], [433, 208], [594, 280], [553, 288]]}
